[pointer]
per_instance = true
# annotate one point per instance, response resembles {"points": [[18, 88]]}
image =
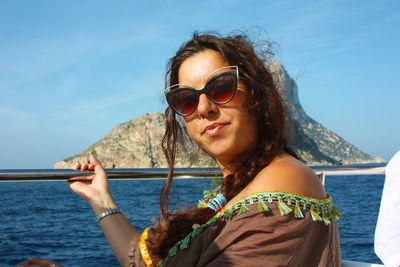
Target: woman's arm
{"points": [[120, 234]]}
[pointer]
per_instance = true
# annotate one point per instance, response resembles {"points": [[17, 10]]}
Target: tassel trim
{"points": [[262, 207], [283, 208], [297, 211], [320, 209]]}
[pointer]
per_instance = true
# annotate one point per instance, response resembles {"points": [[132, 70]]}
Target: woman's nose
{"points": [[206, 106]]}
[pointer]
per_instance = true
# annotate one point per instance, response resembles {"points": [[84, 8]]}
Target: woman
{"points": [[270, 208]]}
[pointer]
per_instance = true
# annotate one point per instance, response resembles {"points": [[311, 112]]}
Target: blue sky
{"points": [[72, 70]]}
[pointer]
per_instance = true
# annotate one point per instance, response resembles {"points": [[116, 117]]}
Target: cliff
{"points": [[137, 143]]}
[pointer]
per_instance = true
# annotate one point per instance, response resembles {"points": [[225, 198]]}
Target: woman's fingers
{"points": [[22, 264], [89, 166], [38, 262], [77, 166], [88, 179], [92, 165], [88, 187], [84, 167], [96, 165]]}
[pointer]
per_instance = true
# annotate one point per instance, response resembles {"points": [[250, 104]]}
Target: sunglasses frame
{"points": [[234, 72]]}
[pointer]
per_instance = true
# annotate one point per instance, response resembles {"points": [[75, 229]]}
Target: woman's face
{"points": [[225, 131]]}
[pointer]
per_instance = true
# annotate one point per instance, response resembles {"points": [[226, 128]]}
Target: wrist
{"points": [[106, 213], [102, 204]]}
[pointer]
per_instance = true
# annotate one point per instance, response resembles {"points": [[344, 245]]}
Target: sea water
{"points": [[48, 220]]}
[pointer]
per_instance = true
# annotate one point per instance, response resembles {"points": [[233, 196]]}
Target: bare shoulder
{"points": [[286, 173]]}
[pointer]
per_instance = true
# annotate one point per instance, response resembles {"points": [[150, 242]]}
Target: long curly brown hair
{"points": [[263, 101]]}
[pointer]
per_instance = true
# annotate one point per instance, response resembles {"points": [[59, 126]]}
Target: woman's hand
{"points": [[120, 234], [37, 262], [94, 189]]}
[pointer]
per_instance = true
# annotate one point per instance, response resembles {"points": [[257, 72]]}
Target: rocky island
{"points": [[137, 143]]}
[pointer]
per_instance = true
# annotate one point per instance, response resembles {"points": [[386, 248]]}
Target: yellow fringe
{"points": [[315, 216], [143, 249], [262, 207], [297, 211], [202, 204], [283, 208]]}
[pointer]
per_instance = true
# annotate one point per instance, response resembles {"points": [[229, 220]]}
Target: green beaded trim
{"points": [[320, 209]]}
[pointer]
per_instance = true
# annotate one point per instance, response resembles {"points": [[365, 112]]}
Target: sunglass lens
{"points": [[184, 101], [221, 90]]}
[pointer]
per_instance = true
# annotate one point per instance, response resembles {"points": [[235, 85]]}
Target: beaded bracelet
{"points": [[217, 203], [106, 213]]}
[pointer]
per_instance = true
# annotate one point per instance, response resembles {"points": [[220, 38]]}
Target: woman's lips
{"points": [[214, 129]]}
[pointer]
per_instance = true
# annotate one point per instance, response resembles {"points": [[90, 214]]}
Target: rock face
{"points": [[312, 142], [137, 143]]}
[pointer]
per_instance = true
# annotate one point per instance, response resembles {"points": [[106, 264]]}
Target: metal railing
{"points": [[14, 175], [114, 174]]}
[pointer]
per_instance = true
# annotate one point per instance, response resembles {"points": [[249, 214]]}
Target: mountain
{"points": [[137, 143]]}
